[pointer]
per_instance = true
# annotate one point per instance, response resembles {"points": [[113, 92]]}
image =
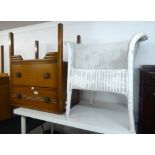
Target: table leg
{"points": [[23, 125], [52, 127]]}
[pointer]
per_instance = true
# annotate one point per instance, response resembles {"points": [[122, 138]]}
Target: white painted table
{"points": [[82, 117]]}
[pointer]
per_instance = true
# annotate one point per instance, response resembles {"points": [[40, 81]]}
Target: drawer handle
{"points": [[46, 75], [42, 99], [18, 96], [18, 75], [153, 94], [46, 99]]}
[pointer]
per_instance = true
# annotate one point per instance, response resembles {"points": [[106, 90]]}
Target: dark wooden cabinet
{"points": [[147, 100], [5, 110]]}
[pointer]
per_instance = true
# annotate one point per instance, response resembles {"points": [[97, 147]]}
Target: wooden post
{"points": [[36, 49], [11, 53], [60, 65], [2, 59], [60, 42], [11, 44], [78, 39]]}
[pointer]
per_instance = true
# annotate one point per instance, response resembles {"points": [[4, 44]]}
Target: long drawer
{"points": [[35, 73], [35, 97]]}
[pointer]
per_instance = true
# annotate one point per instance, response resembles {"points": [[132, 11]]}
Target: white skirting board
{"points": [[86, 117]]}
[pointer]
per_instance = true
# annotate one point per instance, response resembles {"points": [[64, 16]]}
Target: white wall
{"points": [[91, 32]]}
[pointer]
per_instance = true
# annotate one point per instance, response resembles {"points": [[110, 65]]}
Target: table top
{"points": [[85, 117]]}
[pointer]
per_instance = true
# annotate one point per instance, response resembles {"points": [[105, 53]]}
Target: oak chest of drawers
{"points": [[5, 109], [40, 83]]}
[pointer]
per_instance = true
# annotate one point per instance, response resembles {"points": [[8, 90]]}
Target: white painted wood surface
{"points": [[87, 118], [23, 125]]}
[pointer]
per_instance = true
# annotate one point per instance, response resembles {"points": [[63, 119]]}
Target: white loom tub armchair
{"points": [[106, 67]]}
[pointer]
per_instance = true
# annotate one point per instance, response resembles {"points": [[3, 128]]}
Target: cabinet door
{"points": [[148, 111]]}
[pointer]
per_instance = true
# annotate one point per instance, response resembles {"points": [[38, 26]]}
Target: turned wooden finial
{"points": [[2, 59], [36, 49]]}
